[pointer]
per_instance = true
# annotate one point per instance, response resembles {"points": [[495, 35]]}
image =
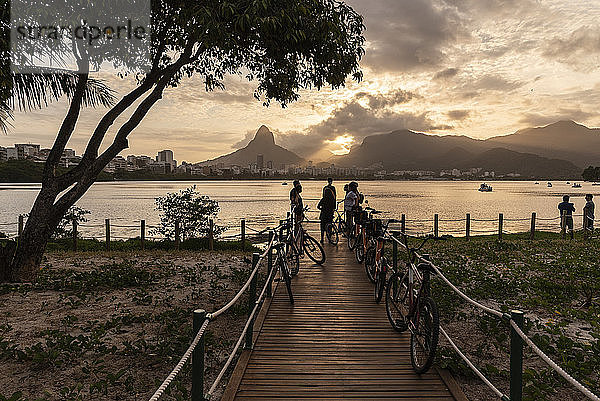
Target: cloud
{"points": [[446, 73], [581, 48], [458, 115], [379, 100]]}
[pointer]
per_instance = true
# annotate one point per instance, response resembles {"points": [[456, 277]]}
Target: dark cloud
{"points": [[409, 34], [446, 73], [538, 119], [358, 120], [458, 115], [576, 48], [472, 87]]}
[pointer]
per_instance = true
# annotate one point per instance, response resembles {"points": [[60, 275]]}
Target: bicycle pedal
{"points": [[401, 325]]}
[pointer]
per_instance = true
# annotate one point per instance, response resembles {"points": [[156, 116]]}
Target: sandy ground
{"points": [[108, 342]]}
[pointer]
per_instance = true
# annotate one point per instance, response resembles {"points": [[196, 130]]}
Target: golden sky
{"points": [[475, 67]]}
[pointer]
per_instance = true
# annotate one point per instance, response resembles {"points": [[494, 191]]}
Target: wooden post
{"points": [[143, 233], [500, 224], [107, 239], [198, 358], [395, 255], [436, 226], [468, 226], [75, 234], [211, 241], [516, 358], [21, 223], [252, 302], [563, 224], [403, 224], [243, 228], [532, 229], [177, 233], [270, 266]]}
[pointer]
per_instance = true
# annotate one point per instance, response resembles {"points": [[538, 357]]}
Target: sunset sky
{"points": [[475, 67]]}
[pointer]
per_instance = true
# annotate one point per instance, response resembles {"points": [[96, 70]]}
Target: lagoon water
{"points": [[265, 202]]}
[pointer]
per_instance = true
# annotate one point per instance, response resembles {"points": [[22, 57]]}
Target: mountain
{"points": [[262, 144], [408, 150], [563, 140]]}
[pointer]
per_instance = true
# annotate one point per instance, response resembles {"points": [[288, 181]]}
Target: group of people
{"points": [[327, 204], [567, 208]]}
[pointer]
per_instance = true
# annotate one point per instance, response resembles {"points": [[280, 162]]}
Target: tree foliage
{"points": [[192, 210], [65, 227], [591, 174]]}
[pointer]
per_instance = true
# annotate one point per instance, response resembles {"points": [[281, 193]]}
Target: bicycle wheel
{"points": [[380, 279], [424, 338], [293, 259], [359, 252], [284, 271], [352, 240], [341, 227], [332, 234], [396, 301], [370, 263], [313, 249]]}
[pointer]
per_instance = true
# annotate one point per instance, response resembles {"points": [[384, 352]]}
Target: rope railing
{"points": [[513, 325]]}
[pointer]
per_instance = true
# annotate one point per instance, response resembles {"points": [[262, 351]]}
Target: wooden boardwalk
{"points": [[334, 343]]}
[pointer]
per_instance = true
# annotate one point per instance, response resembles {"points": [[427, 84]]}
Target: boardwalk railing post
{"points": [[516, 358], [252, 301], [20, 228], [143, 233], [500, 224], [243, 234], [395, 255], [468, 226], [532, 229], [74, 234], [270, 267], [177, 233], [403, 224], [107, 234], [436, 226], [198, 359], [563, 224], [211, 235]]}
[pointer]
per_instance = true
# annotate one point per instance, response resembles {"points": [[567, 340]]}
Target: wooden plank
{"points": [[334, 343]]}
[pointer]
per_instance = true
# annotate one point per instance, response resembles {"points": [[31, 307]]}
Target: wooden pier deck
{"points": [[334, 343]]}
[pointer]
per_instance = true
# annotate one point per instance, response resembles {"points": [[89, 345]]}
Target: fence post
{"points": [[403, 224], [143, 233], [532, 229], [74, 234], [395, 255], [107, 234], [435, 225], [243, 228], [177, 234], [20, 229], [252, 301], [468, 226], [563, 224], [198, 359], [211, 235], [270, 266], [516, 358], [500, 224]]}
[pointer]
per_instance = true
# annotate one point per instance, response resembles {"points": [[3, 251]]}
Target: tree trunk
{"points": [[41, 223]]}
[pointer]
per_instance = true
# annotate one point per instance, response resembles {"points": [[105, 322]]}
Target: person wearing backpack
{"points": [[327, 207]]}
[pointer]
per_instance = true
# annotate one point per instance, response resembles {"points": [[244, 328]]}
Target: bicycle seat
{"points": [[424, 266]]}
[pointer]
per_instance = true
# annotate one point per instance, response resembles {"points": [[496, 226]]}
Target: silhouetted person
{"points": [[351, 203], [566, 209], [588, 213], [296, 203], [331, 187], [327, 206]]}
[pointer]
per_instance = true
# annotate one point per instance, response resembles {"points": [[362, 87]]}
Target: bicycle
{"points": [[281, 264], [333, 229], [366, 235], [409, 306], [299, 243], [354, 228], [376, 264]]}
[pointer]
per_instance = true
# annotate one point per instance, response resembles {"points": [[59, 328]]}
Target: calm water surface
{"points": [[264, 202]]}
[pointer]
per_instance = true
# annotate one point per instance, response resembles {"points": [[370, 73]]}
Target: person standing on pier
{"points": [[296, 203], [566, 212], [330, 187], [588, 213], [327, 206], [350, 203]]}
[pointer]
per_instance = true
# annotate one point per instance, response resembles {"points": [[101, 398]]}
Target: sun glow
{"points": [[343, 144]]}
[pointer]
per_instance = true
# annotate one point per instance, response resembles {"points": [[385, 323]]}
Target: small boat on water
{"points": [[568, 183], [549, 185], [485, 188], [284, 183], [595, 183], [576, 185], [537, 183]]}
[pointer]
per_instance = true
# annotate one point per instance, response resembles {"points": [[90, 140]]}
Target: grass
{"points": [[555, 282]]}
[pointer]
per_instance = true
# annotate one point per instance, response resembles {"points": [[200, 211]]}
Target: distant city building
{"points": [[260, 160], [166, 156], [26, 150]]}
